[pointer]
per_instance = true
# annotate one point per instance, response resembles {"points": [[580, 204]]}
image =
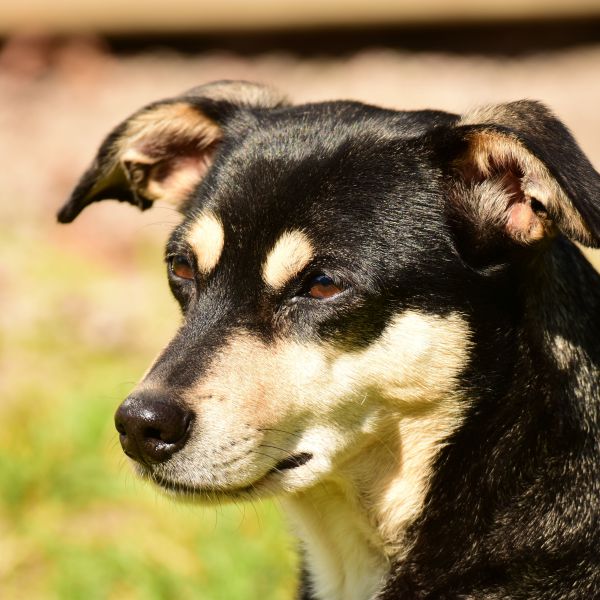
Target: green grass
{"points": [[74, 521]]}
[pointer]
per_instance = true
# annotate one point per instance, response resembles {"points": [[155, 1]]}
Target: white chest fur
{"points": [[345, 559], [352, 523]]}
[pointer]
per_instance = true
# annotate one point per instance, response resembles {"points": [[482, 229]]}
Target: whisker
{"points": [[263, 454], [276, 448], [279, 431]]}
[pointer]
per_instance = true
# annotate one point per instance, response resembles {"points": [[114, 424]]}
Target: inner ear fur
{"points": [[519, 174], [505, 187], [164, 150]]}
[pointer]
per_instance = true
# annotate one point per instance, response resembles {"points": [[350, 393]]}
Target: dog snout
{"points": [[151, 429]]}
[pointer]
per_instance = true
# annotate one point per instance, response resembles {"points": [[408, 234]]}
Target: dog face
{"points": [[335, 266]]}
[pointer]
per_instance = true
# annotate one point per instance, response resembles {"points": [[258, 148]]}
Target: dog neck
{"points": [[345, 557], [353, 524]]}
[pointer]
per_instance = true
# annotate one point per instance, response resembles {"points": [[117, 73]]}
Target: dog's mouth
{"points": [[292, 462], [176, 487]]}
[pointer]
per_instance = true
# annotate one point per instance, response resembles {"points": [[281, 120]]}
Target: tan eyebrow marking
{"points": [[206, 237], [290, 254]]}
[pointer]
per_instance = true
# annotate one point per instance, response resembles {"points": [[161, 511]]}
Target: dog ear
{"points": [[165, 149], [518, 175]]}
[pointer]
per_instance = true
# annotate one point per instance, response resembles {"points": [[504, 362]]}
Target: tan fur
{"points": [[165, 150], [153, 141], [373, 419], [177, 119], [290, 254], [345, 554], [489, 151], [353, 524], [206, 237]]}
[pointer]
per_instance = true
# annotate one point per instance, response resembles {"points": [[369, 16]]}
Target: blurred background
{"points": [[85, 308]]}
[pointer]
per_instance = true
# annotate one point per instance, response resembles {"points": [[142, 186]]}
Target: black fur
{"points": [[513, 508]]}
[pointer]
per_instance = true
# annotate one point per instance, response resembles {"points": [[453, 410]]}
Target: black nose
{"points": [[151, 429]]}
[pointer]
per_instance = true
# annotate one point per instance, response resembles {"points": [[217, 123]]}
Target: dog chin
{"points": [[268, 484]]}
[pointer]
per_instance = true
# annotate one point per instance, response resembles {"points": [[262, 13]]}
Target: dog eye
{"points": [[180, 267], [321, 287]]}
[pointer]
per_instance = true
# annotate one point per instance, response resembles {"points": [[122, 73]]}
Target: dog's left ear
{"points": [[517, 174], [164, 150]]}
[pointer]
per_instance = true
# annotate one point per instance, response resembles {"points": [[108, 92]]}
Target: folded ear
{"points": [[517, 175], [163, 151]]}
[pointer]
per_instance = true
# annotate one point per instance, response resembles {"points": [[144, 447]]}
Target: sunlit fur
{"points": [[291, 253], [373, 421], [164, 152], [206, 238], [491, 154]]}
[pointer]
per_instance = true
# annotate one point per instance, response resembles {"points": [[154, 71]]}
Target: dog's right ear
{"points": [[164, 150]]}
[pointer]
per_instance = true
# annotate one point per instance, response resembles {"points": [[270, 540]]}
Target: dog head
{"points": [[329, 266]]}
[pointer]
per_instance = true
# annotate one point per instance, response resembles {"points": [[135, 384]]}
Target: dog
{"points": [[387, 324]]}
